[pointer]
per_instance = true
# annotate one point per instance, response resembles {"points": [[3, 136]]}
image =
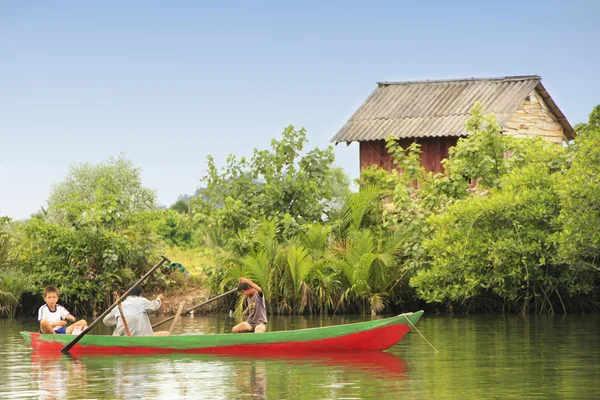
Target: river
{"points": [[479, 357]]}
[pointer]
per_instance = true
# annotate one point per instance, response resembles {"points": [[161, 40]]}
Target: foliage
{"points": [[483, 235], [194, 260], [179, 229], [578, 188], [4, 243], [512, 226], [181, 206], [13, 282], [100, 234], [495, 248], [481, 154], [279, 183], [112, 189]]}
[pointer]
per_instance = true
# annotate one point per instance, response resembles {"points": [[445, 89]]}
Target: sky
{"points": [[166, 84]]}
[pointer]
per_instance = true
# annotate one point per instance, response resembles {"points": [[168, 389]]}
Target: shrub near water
{"points": [[13, 281], [489, 235], [512, 226], [496, 249], [579, 193], [98, 234]]}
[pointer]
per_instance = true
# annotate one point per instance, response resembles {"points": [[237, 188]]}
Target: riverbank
{"points": [[191, 297]]}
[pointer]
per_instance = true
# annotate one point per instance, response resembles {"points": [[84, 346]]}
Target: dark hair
{"points": [[50, 289], [136, 290], [243, 286]]}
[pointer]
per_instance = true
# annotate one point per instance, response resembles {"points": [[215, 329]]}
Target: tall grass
{"points": [[194, 260]]}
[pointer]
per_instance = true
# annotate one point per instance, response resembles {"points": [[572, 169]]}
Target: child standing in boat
{"points": [[256, 310], [53, 317]]}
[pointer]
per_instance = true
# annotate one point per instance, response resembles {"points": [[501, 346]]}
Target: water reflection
{"points": [[207, 376], [56, 375], [376, 364], [480, 357]]}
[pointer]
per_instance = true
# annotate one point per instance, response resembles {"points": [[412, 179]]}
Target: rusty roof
{"points": [[436, 108]]}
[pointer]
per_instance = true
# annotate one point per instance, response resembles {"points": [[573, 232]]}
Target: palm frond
{"points": [[355, 206]]}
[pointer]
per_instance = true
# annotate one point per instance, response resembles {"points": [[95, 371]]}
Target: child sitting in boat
{"points": [[256, 310], [135, 312], [53, 317]]}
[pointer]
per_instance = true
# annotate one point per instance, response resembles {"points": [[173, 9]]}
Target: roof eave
{"points": [[569, 132]]}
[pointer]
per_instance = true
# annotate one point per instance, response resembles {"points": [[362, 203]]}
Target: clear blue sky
{"points": [[167, 83]]}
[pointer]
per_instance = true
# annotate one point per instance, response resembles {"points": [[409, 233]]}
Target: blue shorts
{"points": [[62, 330]]}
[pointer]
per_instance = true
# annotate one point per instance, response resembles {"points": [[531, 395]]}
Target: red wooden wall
{"points": [[433, 151]]}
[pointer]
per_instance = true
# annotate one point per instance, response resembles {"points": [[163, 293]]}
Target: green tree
{"points": [[279, 183], [495, 248], [480, 155], [181, 206], [100, 233], [579, 188], [112, 188]]}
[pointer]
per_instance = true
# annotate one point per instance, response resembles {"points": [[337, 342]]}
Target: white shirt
{"points": [[136, 311], [58, 314]]}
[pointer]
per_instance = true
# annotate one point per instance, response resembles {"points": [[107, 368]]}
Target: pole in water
{"points": [[415, 328]]}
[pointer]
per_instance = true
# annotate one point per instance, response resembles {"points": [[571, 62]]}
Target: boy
{"points": [[135, 311], [53, 317], [256, 311]]}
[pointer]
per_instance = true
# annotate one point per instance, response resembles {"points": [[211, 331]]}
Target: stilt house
{"points": [[433, 114]]}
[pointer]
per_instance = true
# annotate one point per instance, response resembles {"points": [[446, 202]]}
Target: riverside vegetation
{"points": [[512, 226]]}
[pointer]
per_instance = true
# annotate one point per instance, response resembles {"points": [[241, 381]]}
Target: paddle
{"points": [[68, 347], [176, 317], [195, 307], [123, 316]]}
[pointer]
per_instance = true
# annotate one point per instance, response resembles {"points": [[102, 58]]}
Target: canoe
{"points": [[375, 335]]}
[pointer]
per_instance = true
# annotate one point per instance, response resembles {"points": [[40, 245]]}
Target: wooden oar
{"points": [[109, 309], [196, 307], [176, 317], [123, 316]]}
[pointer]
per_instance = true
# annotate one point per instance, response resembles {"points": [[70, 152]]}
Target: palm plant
{"points": [[354, 209], [365, 269], [300, 264], [326, 288], [13, 283], [261, 263]]}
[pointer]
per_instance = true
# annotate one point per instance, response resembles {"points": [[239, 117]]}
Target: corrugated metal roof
{"points": [[439, 108]]}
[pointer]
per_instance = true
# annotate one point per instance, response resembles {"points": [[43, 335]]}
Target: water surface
{"points": [[491, 357]]}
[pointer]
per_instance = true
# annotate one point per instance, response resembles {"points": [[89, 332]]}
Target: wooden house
{"points": [[433, 114]]}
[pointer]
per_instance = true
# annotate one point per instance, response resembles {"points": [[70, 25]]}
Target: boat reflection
{"points": [[198, 376], [56, 376], [376, 363]]}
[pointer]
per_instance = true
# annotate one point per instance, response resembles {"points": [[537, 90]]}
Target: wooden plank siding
{"points": [[533, 118], [433, 151]]}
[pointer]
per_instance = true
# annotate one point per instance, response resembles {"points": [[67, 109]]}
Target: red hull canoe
{"points": [[376, 335]]}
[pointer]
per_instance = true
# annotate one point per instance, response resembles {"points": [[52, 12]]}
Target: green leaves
{"points": [[355, 207], [579, 188], [481, 154], [300, 263], [279, 183], [100, 226], [100, 193]]}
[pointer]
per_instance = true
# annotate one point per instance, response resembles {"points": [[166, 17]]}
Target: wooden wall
{"points": [[433, 151], [533, 118]]}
